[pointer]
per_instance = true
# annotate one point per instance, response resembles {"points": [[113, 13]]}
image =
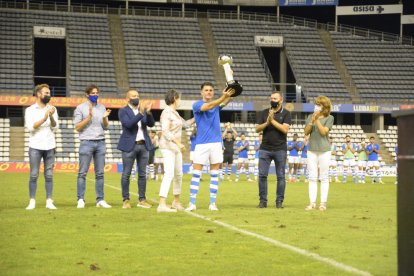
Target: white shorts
{"points": [[158, 160], [191, 155], [303, 161], [293, 159], [333, 163], [211, 153], [349, 163], [243, 160], [362, 163], [255, 161], [373, 164]]}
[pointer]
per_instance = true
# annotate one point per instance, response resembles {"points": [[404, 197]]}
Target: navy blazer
{"points": [[129, 122]]}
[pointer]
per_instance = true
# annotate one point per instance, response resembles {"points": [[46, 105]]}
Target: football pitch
{"points": [[357, 235]]}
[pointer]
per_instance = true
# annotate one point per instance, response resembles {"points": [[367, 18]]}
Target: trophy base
{"points": [[238, 88]]}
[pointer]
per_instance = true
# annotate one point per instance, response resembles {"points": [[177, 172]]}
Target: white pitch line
{"points": [[277, 243]]}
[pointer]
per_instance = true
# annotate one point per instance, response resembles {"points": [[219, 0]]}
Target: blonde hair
{"points": [[325, 102], [39, 87]]}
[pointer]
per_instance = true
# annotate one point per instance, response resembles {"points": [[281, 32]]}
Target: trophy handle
{"points": [[238, 88]]}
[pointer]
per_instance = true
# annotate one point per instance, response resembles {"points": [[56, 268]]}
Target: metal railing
{"points": [[217, 14]]}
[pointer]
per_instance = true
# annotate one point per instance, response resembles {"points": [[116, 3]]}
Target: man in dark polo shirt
{"points": [[274, 123]]}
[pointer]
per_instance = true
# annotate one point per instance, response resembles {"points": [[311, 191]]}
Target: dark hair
{"points": [[39, 87], [242, 134], [229, 131], [206, 83], [372, 137], [295, 134], [91, 87], [171, 96], [348, 136]]}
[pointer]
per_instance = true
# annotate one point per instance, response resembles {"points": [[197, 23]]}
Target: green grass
{"points": [[358, 229]]}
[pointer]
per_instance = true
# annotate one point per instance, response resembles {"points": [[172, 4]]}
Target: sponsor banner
{"points": [[49, 32], [68, 102], [59, 167], [268, 41], [347, 108], [389, 170], [407, 106], [369, 9], [202, 2], [239, 106], [386, 170], [221, 2], [308, 2], [407, 19], [248, 106]]}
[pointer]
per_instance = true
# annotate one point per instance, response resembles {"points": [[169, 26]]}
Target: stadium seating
{"points": [[88, 47], [381, 70], [389, 139], [234, 37], [308, 58], [165, 53], [16, 53], [4, 139]]}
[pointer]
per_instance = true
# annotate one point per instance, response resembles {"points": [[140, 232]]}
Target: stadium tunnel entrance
{"points": [[50, 64], [281, 72]]}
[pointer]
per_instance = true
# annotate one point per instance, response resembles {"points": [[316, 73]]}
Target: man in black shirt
{"points": [[229, 136], [274, 123]]}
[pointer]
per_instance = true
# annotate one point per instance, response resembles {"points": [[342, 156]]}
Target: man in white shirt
{"points": [[41, 120]]}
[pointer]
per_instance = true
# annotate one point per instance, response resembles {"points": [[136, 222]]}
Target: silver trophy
{"points": [[226, 61]]}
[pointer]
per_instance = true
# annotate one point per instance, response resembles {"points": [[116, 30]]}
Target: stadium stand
{"points": [[4, 139], [309, 59], [16, 53], [88, 46], [165, 53], [234, 37], [389, 139], [381, 70]]}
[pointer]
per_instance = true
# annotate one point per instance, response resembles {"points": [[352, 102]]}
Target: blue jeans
{"points": [[87, 150], [35, 157], [140, 154], [265, 158]]}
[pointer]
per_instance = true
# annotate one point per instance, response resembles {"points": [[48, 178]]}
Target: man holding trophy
{"points": [[208, 140]]}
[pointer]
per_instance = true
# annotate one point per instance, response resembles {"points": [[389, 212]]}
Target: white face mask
{"points": [[317, 108]]}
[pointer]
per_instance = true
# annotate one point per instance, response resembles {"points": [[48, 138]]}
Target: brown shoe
{"points": [[126, 204], [144, 204]]}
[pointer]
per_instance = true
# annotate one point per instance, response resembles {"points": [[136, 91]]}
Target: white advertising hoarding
{"points": [[369, 9]]}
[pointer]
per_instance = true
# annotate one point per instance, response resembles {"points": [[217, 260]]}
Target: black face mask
{"points": [[45, 99], [274, 104], [134, 102]]}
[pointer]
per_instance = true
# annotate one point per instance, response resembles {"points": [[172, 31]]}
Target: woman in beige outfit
{"points": [[172, 148]]}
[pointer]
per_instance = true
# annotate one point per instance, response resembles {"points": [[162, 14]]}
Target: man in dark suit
{"points": [[135, 144]]}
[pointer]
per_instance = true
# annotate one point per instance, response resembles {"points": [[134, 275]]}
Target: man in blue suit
{"points": [[135, 144]]}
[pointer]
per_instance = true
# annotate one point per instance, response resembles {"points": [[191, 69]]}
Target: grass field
{"points": [[357, 230]]}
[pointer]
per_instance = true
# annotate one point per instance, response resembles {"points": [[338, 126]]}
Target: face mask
{"points": [[274, 104], [317, 108], [45, 99], [93, 98], [134, 102]]}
